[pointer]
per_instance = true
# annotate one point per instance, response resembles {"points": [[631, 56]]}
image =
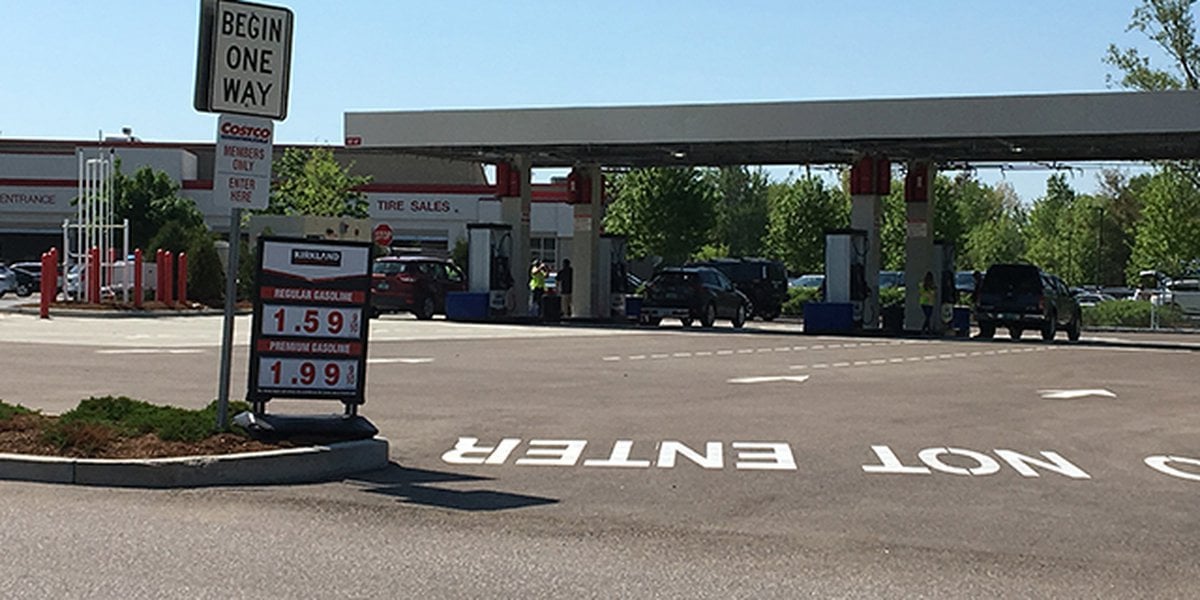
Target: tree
{"points": [[801, 211], [1168, 237], [311, 182], [150, 199], [994, 221], [1048, 234], [1170, 25], [667, 212], [741, 210]]}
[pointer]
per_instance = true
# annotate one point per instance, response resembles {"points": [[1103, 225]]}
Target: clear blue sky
{"points": [[71, 69]]}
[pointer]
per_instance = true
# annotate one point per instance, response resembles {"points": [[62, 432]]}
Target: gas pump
{"points": [[947, 292], [612, 276], [489, 263], [846, 272]]}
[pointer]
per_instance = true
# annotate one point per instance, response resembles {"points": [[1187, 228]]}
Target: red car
{"points": [[416, 284]]}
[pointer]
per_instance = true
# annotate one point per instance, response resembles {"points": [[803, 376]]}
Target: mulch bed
{"points": [[23, 435]]}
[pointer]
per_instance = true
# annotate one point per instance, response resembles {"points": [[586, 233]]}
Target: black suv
{"points": [[690, 293], [1022, 297], [763, 281]]}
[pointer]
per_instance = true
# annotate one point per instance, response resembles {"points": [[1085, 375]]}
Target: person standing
{"points": [[928, 295], [537, 286], [566, 285]]}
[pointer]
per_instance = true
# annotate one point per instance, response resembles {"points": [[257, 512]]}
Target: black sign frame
{"points": [[312, 307]]}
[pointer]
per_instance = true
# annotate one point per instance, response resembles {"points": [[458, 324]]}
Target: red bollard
{"points": [[169, 278], [94, 276], [112, 265], [48, 284], [159, 266], [138, 293], [182, 277]]}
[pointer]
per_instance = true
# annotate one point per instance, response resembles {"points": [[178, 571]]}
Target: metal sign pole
{"points": [[235, 240]]}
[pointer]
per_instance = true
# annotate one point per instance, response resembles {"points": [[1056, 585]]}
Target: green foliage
{"points": [[742, 207], [8, 411], [1130, 313], [891, 296], [460, 253], [667, 212], [801, 211], [1168, 236], [150, 200], [175, 237], [206, 278], [309, 181], [711, 251], [797, 297], [1171, 26], [247, 270], [96, 421]]}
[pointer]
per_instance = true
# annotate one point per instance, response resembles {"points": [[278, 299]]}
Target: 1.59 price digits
{"points": [[301, 373], [307, 321]]}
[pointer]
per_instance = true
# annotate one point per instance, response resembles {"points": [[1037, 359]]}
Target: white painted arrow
{"points": [[407, 361], [771, 379], [1071, 394]]}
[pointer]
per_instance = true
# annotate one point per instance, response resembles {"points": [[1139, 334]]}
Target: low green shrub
{"points": [[797, 296], [890, 296], [1130, 313], [8, 411], [96, 418]]}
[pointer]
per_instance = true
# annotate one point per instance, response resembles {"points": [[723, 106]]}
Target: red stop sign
{"points": [[382, 234]]}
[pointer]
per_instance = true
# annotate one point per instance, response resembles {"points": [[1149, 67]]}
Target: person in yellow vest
{"points": [[928, 296], [537, 286]]}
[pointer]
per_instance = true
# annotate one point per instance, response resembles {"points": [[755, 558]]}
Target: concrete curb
{"points": [[289, 466], [119, 314]]}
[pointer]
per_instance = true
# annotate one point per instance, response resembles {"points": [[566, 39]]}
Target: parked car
{"points": [[763, 281], [809, 280], [1183, 294], [1086, 298], [417, 284], [1022, 297], [891, 279], [8, 280], [30, 274], [694, 293]]}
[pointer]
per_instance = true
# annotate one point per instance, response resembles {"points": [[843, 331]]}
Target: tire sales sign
{"points": [[242, 162], [309, 336]]}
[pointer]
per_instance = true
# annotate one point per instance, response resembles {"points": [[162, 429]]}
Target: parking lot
{"points": [[685, 463]]}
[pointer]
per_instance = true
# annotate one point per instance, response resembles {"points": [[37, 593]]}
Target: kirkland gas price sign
{"points": [[309, 337]]}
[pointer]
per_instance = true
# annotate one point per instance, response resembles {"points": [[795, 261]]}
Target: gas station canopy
{"points": [[1131, 126]]}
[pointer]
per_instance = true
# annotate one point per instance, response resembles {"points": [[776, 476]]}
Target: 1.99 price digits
{"points": [[300, 373], [304, 321]]}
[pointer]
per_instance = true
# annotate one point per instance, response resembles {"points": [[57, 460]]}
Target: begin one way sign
{"points": [[243, 59]]}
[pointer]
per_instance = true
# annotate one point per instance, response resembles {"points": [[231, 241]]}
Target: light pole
{"points": [[1099, 242]]}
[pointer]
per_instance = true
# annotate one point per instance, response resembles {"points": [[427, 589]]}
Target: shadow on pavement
{"points": [[413, 486]]}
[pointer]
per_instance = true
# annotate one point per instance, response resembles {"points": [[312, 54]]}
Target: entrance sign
{"points": [[243, 59], [242, 162], [309, 336]]}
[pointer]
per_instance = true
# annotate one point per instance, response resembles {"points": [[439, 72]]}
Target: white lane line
{"points": [[638, 357], [960, 355], [859, 363], [770, 379], [841, 364], [682, 355], [152, 351], [762, 350], [406, 361], [879, 361], [746, 351], [799, 348], [819, 347], [976, 354], [611, 358], [724, 352], [929, 357], [783, 349], [913, 359], [821, 366], [1072, 394], [990, 353], [895, 360], [832, 346], [660, 356], [798, 367], [704, 353], [945, 356]]}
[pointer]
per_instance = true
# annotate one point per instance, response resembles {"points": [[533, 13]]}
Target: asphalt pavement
{"points": [[590, 461]]}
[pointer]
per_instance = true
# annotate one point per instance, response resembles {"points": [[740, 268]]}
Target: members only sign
{"points": [[243, 59], [242, 163]]}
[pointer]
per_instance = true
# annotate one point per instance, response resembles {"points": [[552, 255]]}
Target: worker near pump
{"points": [[537, 286], [928, 296], [566, 283]]}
